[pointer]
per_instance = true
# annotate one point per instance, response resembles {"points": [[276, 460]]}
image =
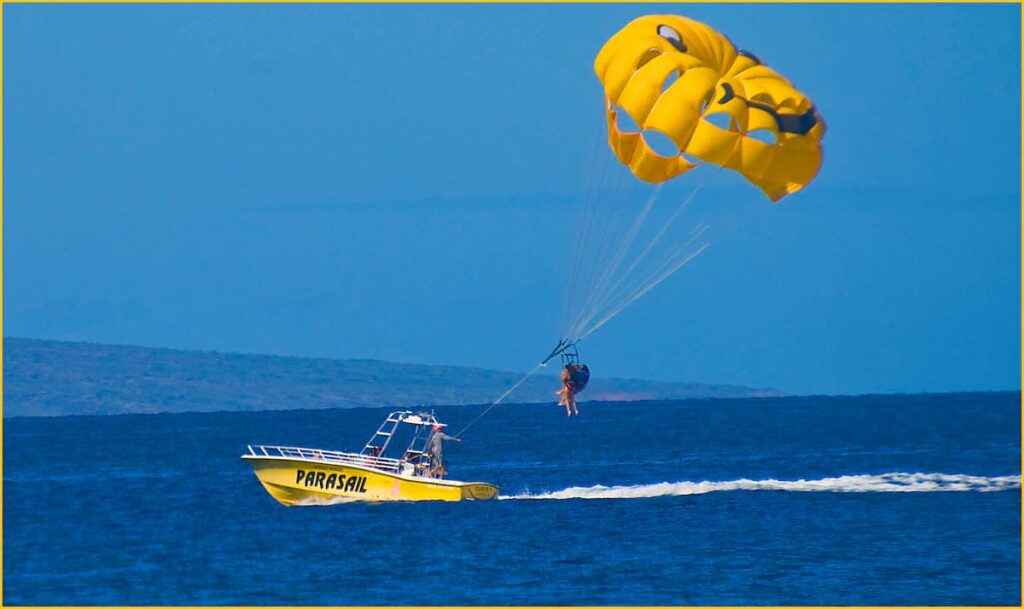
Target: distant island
{"points": [[52, 378]]}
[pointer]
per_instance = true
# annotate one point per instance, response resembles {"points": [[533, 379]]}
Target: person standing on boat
{"points": [[435, 448]]}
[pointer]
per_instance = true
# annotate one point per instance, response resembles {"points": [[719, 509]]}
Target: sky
{"points": [[403, 182]]}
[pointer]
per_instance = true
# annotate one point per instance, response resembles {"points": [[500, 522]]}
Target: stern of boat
{"points": [[479, 491]]}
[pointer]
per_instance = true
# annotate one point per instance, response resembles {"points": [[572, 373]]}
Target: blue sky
{"points": [[398, 182]]}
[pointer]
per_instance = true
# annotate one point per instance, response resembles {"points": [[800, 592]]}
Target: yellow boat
{"points": [[311, 476]]}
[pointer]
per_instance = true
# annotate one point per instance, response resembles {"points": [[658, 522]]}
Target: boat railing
{"points": [[326, 456]]}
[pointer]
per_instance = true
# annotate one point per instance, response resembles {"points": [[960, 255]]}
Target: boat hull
{"points": [[308, 482]]}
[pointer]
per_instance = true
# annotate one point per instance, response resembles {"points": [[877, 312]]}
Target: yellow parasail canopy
{"points": [[680, 78]]}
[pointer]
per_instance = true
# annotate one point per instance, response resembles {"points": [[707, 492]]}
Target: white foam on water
{"points": [[864, 483]]}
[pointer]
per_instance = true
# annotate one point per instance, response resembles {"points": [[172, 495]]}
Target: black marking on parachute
{"points": [[670, 34], [728, 93], [789, 123], [750, 55], [800, 124]]}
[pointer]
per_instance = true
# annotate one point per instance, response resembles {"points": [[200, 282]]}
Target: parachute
{"points": [[681, 79], [695, 100]]}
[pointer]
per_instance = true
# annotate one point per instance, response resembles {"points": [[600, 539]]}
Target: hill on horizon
{"points": [[55, 378]]}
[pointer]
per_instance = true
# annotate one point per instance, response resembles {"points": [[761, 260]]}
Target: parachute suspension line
{"points": [[590, 199], [647, 288], [613, 290], [637, 284], [582, 233], [618, 283], [610, 217], [679, 257], [596, 228], [609, 296], [624, 246], [614, 263], [500, 399]]}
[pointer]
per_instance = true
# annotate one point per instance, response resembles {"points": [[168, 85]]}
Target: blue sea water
{"points": [[860, 500]]}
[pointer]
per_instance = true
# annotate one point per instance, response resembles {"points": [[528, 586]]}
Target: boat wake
{"points": [[865, 483]]}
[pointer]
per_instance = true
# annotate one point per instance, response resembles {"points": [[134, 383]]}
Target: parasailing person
{"points": [[574, 380], [574, 375]]}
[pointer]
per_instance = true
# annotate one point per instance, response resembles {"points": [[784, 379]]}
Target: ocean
{"points": [[870, 500]]}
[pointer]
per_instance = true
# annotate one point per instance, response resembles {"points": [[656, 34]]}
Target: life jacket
{"points": [[575, 377]]}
